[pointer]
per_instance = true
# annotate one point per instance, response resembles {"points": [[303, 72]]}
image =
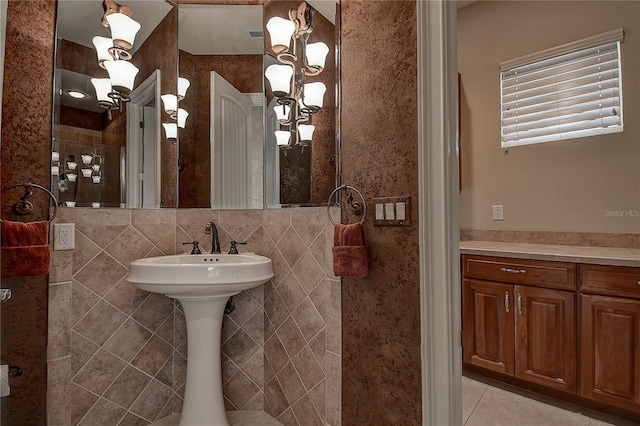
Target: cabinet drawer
{"points": [[610, 280], [520, 271]]}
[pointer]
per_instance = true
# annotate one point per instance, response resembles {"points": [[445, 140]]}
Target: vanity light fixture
{"points": [[297, 59], [170, 103], [87, 172], [113, 55]]}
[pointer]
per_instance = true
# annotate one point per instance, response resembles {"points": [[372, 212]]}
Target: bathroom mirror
{"points": [[145, 167], [104, 155]]}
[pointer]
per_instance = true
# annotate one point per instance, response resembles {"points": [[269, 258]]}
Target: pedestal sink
{"points": [[202, 283]]}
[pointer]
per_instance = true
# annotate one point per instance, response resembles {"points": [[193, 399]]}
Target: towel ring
{"points": [[358, 208], [24, 207]]}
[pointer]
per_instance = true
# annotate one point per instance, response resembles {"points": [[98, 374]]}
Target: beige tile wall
{"points": [[118, 354]]}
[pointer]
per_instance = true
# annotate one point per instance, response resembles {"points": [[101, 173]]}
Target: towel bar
{"points": [[24, 207], [358, 208]]}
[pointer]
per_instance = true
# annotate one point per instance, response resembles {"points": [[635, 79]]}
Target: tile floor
{"points": [[487, 405], [482, 405]]}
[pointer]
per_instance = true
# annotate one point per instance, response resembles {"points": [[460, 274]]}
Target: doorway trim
{"points": [[143, 94], [438, 210]]}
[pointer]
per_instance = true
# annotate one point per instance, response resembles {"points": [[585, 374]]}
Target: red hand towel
{"points": [[350, 258], [25, 249]]}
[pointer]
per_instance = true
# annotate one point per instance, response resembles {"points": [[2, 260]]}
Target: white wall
{"points": [[574, 185]]}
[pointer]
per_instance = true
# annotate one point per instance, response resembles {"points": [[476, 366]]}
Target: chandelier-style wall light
{"points": [[113, 56], [170, 103], [297, 99]]}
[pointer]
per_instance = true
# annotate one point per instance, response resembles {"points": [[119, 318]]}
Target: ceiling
{"points": [[221, 29]]}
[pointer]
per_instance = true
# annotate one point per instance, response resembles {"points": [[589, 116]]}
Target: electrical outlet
{"points": [[497, 212], [64, 236]]}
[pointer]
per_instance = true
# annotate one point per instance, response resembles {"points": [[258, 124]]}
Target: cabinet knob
{"points": [[506, 301], [513, 271]]}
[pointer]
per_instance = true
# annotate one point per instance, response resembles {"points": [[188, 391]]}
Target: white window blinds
{"points": [[569, 95]]}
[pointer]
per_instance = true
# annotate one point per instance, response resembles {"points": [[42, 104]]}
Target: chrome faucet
{"points": [[215, 243]]}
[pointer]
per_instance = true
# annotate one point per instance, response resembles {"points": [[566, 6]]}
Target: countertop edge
{"points": [[574, 254]]}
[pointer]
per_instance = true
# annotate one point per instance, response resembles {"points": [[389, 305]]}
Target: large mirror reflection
{"points": [[108, 148], [146, 146]]}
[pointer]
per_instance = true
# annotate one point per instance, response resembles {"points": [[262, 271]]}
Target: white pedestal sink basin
{"points": [[202, 283]]}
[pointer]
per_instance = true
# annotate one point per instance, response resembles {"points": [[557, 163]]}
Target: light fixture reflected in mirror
{"points": [[299, 60], [171, 131], [183, 85], [113, 56]]}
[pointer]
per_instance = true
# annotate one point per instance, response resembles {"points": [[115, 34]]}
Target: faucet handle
{"points": [[234, 248], [196, 247]]}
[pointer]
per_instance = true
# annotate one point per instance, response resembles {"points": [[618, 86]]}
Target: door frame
{"points": [[440, 328], [148, 90]]}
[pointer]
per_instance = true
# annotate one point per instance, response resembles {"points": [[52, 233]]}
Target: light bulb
{"points": [[102, 45], [182, 117], [122, 75], [306, 132], [279, 77], [123, 29], [171, 130], [282, 137], [183, 85], [282, 112], [170, 103], [280, 32], [316, 54], [314, 94]]}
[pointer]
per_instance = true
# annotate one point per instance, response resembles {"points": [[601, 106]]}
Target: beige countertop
{"points": [[575, 254]]}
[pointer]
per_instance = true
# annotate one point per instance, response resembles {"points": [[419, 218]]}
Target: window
{"points": [[570, 91]]}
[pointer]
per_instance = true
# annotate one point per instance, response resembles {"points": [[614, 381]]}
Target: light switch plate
{"points": [[379, 211], [393, 213]]}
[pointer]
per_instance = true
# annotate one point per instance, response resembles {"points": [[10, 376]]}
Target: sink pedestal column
{"points": [[203, 399]]}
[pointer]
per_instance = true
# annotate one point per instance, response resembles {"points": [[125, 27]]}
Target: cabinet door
{"points": [[610, 350], [545, 341], [487, 319]]}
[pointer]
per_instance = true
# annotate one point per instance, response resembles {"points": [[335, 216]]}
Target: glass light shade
{"points": [[123, 29], [122, 75], [87, 172], [279, 77], [316, 54], [70, 203], [171, 130], [55, 156], [282, 137], [71, 165], [282, 112], [182, 117], [103, 88], [96, 179], [95, 205], [314, 94], [96, 167], [55, 170], [72, 177], [86, 158], [102, 45], [183, 85], [170, 103], [280, 32], [306, 131]]}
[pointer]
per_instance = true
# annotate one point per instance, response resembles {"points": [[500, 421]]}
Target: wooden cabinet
{"points": [[526, 331], [610, 335], [545, 342], [570, 330], [488, 325]]}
